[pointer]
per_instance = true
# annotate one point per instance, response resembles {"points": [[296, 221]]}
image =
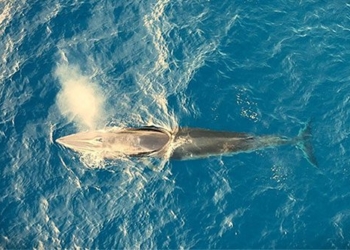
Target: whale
{"points": [[181, 144]]}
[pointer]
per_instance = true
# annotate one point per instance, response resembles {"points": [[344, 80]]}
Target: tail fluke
{"points": [[304, 143]]}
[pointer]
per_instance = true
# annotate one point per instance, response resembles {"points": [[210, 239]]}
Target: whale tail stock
{"points": [[304, 143]]}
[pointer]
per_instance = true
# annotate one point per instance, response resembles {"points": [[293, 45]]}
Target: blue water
{"points": [[249, 66]]}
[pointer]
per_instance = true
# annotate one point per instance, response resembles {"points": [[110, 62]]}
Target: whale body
{"points": [[183, 144]]}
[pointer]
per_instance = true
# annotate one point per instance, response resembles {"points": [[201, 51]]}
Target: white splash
{"points": [[80, 99]]}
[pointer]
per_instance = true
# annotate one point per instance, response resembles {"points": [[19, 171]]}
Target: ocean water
{"points": [[263, 67]]}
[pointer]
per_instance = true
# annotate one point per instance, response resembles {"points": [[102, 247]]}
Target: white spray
{"points": [[80, 99]]}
